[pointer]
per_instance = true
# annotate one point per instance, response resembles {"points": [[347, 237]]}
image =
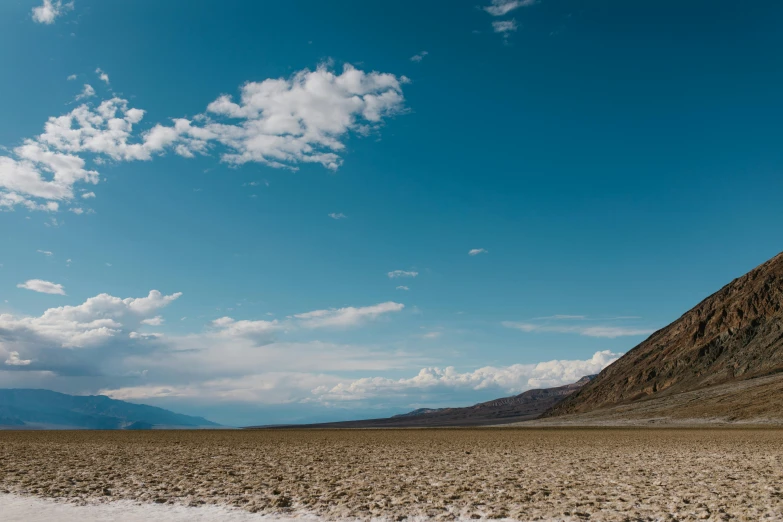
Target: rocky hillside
{"points": [[735, 334]]}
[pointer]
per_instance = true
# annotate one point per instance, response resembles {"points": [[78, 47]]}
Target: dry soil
{"points": [[524, 474]]}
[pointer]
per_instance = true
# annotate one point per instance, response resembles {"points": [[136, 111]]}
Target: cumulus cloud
{"points": [[477, 251], [509, 379], [15, 360], [345, 317], [419, 57], [337, 215], [88, 195], [287, 121], [401, 273], [48, 166], [93, 322], [50, 10], [153, 321], [610, 332], [503, 7], [44, 287], [279, 122]]}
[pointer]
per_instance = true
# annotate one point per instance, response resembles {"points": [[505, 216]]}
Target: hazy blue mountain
{"points": [[44, 408]]}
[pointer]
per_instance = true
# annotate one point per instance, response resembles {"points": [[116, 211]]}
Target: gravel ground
{"points": [[522, 474]]}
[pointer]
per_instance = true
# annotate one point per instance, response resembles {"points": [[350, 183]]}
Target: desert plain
{"points": [[443, 474]]}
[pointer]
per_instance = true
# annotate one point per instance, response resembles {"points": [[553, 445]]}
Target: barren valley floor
{"points": [[522, 474]]}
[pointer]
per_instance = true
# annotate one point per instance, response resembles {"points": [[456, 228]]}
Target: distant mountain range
{"points": [[720, 361], [525, 406], [42, 409]]}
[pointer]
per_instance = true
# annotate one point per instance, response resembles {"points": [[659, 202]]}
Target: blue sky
{"points": [[300, 186]]}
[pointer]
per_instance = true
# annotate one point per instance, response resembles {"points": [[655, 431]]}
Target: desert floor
{"points": [[522, 474]]}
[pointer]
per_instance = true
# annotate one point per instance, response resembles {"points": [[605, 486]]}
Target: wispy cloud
{"points": [[337, 215], [504, 26], [402, 273], [102, 75], [87, 92], [45, 252], [610, 332], [419, 57], [348, 316], [503, 7], [403, 287], [560, 317], [477, 251], [43, 287]]}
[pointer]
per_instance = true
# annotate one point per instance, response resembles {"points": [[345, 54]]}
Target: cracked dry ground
{"points": [[525, 474]]}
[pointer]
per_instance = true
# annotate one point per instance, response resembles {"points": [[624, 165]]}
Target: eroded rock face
{"points": [[736, 333]]}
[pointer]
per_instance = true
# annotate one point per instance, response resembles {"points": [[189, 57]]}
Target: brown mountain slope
{"points": [[735, 334], [525, 406]]}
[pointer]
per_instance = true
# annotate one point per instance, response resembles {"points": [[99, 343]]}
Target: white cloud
{"points": [[47, 167], [278, 122], [402, 273], [145, 336], [88, 195], [403, 287], [48, 12], [337, 215], [503, 7], [87, 92], [560, 317], [504, 26], [477, 251], [45, 252], [44, 287], [282, 387], [302, 119], [419, 57], [431, 335], [15, 360], [259, 331], [72, 77], [153, 321], [91, 323], [509, 379], [344, 317], [102, 75], [610, 332], [76, 210]]}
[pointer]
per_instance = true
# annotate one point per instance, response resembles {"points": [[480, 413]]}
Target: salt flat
{"points": [[16, 508], [520, 474]]}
